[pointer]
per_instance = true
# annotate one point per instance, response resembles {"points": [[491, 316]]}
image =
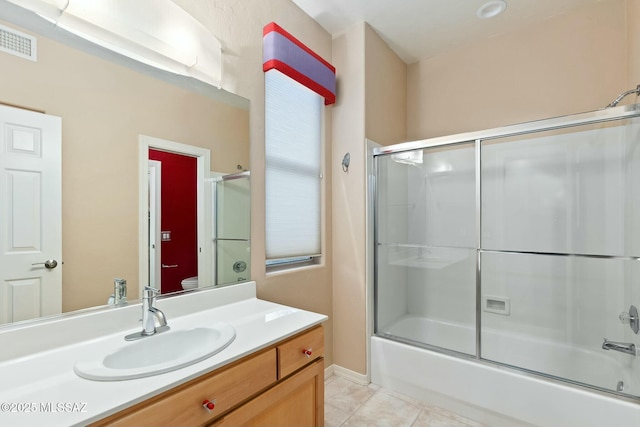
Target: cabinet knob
{"points": [[209, 405], [307, 352]]}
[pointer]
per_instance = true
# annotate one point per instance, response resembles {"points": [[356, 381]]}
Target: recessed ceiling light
{"points": [[491, 9]]}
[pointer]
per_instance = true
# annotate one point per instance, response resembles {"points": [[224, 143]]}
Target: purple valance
{"points": [[288, 55]]}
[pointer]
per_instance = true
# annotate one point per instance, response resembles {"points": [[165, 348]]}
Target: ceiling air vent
{"points": [[17, 43]]}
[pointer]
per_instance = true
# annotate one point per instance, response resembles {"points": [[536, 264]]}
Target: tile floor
{"points": [[349, 404]]}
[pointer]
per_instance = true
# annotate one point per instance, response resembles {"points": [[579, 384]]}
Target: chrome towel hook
{"points": [[346, 160]]}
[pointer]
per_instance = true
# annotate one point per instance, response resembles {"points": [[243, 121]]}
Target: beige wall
{"points": [[238, 24], [104, 107], [348, 202], [385, 92], [371, 103], [569, 63], [633, 44]]}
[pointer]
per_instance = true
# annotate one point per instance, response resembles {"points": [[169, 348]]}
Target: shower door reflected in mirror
{"points": [[232, 226], [426, 247]]}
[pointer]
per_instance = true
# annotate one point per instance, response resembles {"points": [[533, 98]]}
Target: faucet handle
{"points": [[631, 318], [625, 318], [150, 292]]}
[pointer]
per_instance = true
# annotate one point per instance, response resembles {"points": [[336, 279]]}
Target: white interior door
{"points": [[30, 215], [155, 219]]}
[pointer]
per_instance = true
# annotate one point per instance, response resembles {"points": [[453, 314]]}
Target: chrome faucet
{"points": [[149, 316], [623, 347]]}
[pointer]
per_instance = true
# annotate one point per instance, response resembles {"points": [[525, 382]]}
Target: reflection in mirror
{"points": [[105, 102], [173, 220], [180, 214], [232, 247]]}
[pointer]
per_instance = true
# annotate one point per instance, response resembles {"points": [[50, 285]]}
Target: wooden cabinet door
{"points": [[296, 402]]}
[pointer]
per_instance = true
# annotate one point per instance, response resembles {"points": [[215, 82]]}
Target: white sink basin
{"points": [[157, 354]]}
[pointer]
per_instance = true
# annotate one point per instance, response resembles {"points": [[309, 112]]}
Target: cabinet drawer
{"points": [[183, 405], [292, 354]]}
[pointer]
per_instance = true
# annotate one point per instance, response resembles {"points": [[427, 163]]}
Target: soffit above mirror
{"points": [[157, 33]]}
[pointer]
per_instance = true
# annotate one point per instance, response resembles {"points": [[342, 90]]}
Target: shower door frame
{"points": [[216, 239], [476, 138]]}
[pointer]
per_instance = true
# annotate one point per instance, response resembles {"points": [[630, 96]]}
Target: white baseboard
{"points": [[348, 374], [328, 372]]}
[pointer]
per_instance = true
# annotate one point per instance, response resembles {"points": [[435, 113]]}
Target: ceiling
{"points": [[419, 29]]}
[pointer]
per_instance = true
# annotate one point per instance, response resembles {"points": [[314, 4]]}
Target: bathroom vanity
{"points": [[272, 373], [281, 385]]}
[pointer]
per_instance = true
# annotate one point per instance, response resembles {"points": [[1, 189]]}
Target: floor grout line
{"points": [[361, 405], [417, 416]]}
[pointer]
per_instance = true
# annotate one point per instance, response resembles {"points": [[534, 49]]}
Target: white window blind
{"points": [[293, 124]]}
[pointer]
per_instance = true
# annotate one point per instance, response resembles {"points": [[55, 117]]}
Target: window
{"points": [[298, 84], [293, 133]]}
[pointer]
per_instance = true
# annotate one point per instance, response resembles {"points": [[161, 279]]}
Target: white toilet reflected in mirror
{"points": [[190, 283]]}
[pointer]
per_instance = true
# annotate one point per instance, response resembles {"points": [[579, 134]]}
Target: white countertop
{"points": [[42, 388]]}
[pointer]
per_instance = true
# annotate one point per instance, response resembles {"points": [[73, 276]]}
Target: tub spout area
{"points": [[623, 347]]}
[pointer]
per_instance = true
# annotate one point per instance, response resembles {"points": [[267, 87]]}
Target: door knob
{"points": [[49, 264]]}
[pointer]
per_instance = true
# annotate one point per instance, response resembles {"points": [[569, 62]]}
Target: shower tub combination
{"points": [[506, 270]]}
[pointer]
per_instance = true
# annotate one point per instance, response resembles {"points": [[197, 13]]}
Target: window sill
{"points": [[292, 268]]}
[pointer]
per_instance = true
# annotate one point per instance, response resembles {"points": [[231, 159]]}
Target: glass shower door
{"points": [[560, 244], [426, 248]]}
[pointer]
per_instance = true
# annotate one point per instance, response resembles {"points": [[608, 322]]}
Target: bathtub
{"points": [[495, 395]]}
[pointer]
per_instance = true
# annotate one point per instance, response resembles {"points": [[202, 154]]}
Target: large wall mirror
{"points": [[114, 112]]}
